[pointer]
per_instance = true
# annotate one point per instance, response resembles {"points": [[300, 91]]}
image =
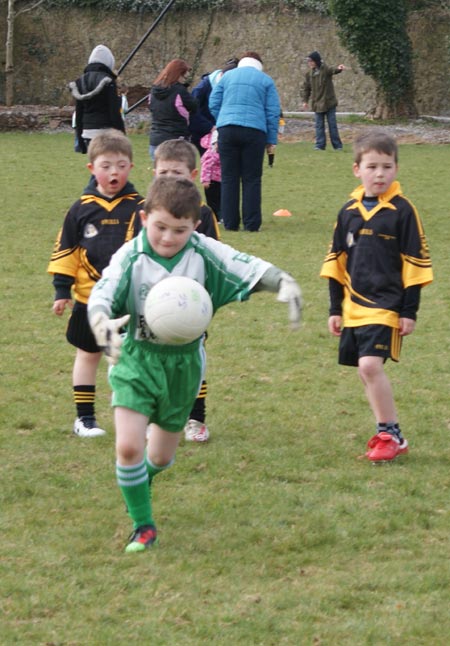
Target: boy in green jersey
{"points": [[159, 383]]}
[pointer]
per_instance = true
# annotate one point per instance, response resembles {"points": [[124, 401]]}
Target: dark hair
{"points": [[251, 54], [110, 140], [377, 140], [172, 72], [177, 150], [230, 64], [176, 195]]}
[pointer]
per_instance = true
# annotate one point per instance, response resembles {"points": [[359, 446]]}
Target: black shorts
{"points": [[369, 341], [79, 332]]}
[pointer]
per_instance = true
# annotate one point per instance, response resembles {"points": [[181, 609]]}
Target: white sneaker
{"points": [[196, 431], [87, 427]]}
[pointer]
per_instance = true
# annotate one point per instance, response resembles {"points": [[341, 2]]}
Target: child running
{"points": [[178, 158], [377, 264], [159, 383], [105, 216]]}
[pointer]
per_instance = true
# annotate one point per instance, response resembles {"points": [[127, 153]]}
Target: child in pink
{"points": [[210, 171]]}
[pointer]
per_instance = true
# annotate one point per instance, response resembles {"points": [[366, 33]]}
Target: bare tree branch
{"points": [[30, 8]]}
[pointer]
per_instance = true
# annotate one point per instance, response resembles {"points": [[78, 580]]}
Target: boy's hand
{"points": [[107, 336], [335, 325], [60, 304], [406, 326], [289, 292]]}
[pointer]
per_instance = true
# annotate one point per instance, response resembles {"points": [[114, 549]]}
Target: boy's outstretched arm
{"points": [[277, 280]]}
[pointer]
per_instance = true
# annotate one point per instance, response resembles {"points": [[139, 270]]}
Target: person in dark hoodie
{"points": [[202, 121], [98, 105], [170, 104]]}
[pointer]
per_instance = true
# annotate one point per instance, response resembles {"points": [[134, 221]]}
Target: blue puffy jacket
{"points": [[247, 97]]}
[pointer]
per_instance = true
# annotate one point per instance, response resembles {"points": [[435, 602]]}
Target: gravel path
{"points": [[53, 119]]}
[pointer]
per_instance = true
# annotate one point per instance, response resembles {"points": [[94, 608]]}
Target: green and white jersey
{"points": [[227, 274]]}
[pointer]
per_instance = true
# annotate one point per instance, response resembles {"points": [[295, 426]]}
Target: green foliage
{"points": [[140, 6], [274, 534], [376, 32]]}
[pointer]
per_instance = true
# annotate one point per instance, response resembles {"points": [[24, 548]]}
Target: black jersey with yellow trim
{"points": [[376, 255], [208, 222], [94, 228]]}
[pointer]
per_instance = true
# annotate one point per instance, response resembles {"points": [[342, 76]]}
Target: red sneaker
{"points": [[142, 538], [385, 447]]}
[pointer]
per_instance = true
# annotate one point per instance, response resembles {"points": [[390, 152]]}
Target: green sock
{"points": [[153, 470], [133, 482]]}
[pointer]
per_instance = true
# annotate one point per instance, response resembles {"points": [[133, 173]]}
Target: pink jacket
{"points": [[210, 170]]}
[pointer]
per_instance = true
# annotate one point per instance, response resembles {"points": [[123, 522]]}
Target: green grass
{"points": [[275, 533]]}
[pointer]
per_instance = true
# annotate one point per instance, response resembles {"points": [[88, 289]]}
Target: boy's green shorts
{"points": [[161, 382]]}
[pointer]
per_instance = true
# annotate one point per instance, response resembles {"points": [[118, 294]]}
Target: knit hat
{"points": [[102, 54], [315, 56]]}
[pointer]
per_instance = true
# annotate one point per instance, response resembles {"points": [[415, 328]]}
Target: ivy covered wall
{"points": [[52, 46]]}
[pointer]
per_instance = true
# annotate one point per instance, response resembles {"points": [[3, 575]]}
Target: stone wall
{"points": [[52, 47]]}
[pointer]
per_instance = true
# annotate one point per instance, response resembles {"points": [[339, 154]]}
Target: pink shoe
{"points": [[385, 447]]}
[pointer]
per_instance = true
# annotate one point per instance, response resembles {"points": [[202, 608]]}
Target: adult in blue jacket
{"points": [[246, 107]]}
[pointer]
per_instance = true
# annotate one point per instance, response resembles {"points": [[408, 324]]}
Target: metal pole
{"points": [[145, 36], [137, 104]]}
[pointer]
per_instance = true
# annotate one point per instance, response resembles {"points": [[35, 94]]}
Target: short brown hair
{"points": [[377, 140], [177, 150], [178, 196], [110, 140]]}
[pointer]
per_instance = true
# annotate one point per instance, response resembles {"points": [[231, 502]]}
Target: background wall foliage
{"points": [[51, 48]]}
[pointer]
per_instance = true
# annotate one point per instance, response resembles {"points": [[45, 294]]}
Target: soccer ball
{"points": [[177, 310]]}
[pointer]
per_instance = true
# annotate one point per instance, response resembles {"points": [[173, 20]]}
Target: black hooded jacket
{"points": [[170, 109], [97, 101]]}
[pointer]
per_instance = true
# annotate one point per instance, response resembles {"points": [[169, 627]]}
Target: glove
{"points": [[290, 292], [107, 336]]}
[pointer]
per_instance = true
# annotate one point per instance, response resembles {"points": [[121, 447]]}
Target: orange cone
{"points": [[282, 213]]}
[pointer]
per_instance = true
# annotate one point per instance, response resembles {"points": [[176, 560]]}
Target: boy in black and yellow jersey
{"points": [[377, 264], [102, 220], [178, 158]]}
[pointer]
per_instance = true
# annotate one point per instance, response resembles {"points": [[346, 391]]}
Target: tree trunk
{"points": [[9, 62], [385, 109]]}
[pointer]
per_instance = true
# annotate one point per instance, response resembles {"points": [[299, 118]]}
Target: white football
{"points": [[177, 310]]}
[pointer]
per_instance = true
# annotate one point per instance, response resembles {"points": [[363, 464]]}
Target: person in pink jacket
{"points": [[210, 172]]}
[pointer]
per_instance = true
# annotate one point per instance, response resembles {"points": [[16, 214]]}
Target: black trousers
{"points": [[212, 195]]}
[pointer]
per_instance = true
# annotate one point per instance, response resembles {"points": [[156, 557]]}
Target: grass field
{"points": [[275, 533]]}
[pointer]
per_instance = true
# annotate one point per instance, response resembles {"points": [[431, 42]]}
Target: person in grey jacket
{"points": [[246, 107], [318, 89]]}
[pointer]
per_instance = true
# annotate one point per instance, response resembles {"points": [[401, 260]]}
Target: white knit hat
{"points": [[102, 54]]}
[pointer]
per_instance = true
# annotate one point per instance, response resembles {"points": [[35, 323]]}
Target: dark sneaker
{"points": [[87, 427], [141, 539], [385, 447]]}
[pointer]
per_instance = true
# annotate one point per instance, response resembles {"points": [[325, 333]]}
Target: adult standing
{"points": [[318, 88], [170, 104], [246, 107], [98, 105]]}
